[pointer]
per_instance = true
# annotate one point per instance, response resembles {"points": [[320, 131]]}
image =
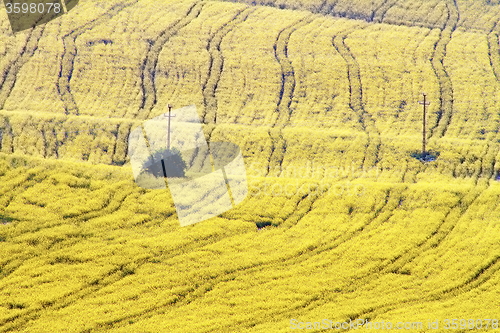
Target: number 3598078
{"points": [[33, 8]]}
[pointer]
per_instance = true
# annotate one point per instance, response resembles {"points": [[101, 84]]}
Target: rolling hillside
{"points": [[322, 98]]}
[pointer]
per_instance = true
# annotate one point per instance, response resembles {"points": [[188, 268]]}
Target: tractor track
{"points": [[395, 264], [49, 142], [436, 237], [493, 39], [278, 151], [150, 63], [328, 8], [49, 134], [380, 12], [67, 62], [483, 274], [303, 207], [9, 75], [45, 143], [57, 144], [494, 53], [381, 215], [119, 154], [13, 191], [200, 290], [115, 275], [216, 64], [283, 110], [7, 132], [117, 134], [365, 120], [446, 100], [488, 159], [111, 205]]}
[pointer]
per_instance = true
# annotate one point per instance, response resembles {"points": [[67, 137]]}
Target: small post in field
{"points": [[168, 130], [424, 130]]}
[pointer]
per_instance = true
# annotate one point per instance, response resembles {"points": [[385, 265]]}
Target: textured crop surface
{"points": [[340, 222]]}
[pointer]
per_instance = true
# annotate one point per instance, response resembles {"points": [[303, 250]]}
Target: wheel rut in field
{"points": [[149, 66], [9, 75], [6, 136], [278, 152], [446, 100], [436, 237], [493, 39], [122, 133], [385, 211], [283, 110], [112, 276], [380, 12], [397, 263], [216, 65], [67, 63], [483, 274], [333, 9], [326, 7], [366, 121], [304, 204], [494, 53]]}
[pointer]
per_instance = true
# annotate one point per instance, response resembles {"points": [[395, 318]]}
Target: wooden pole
{"points": [[424, 127], [424, 131], [168, 130]]}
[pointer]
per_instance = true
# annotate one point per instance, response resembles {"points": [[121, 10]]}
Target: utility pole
{"points": [[168, 130], [424, 130]]}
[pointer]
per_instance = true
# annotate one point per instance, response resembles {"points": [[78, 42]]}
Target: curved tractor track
{"points": [[283, 111], [488, 166], [150, 63], [394, 265], [119, 155], [329, 8], [381, 215], [483, 274], [356, 102], [326, 7], [445, 111], [494, 53], [379, 13], [278, 150], [216, 65], [6, 136], [70, 53], [9, 75], [114, 276], [493, 39], [17, 322]]}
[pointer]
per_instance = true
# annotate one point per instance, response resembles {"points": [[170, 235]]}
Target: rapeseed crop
{"points": [[340, 222]]}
